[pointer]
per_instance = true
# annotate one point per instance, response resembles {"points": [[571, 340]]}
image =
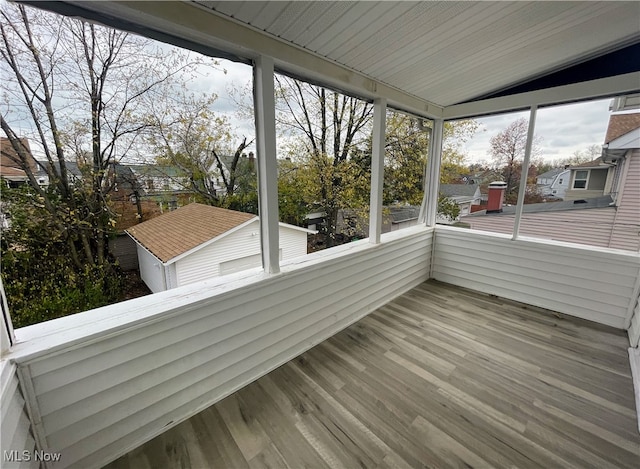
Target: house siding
{"points": [[151, 270], [15, 430], [110, 393], [626, 230], [205, 263], [582, 282]]}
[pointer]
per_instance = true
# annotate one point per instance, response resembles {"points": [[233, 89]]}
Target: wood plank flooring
{"points": [[441, 377]]}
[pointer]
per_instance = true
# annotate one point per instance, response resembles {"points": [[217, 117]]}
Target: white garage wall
{"points": [[151, 270], [241, 244]]}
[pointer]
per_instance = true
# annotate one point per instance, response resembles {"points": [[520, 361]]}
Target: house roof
{"points": [[552, 173], [457, 190], [72, 168], [10, 161], [156, 170], [597, 163], [582, 204], [621, 124], [181, 230]]}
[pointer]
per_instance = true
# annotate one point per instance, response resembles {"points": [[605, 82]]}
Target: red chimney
{"points": [[496, 196]]}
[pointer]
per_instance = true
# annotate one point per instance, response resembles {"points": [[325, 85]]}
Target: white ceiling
{"points": [[446, 52]]}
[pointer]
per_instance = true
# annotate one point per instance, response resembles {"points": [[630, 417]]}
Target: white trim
{"points": [[524, 172], [630, 140], [7, 337], [586, 181], [593, 89], [634, 361], [265, 118], [377, 169], [434, 161]]}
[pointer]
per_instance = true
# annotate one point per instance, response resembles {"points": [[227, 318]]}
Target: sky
{"points": [[562, 129]]}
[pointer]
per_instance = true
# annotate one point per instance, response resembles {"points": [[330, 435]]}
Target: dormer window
{"points": [[580, 179]]}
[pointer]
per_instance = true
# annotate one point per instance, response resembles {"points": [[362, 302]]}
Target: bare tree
{"points": [[80, 93], [507, 149], [202, 144], [327, 128]]}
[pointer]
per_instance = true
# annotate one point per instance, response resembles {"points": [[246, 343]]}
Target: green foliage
{"points": [[40, 280], [448, 208]]}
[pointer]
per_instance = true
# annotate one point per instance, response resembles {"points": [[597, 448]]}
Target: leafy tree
{"points": [[447, 207], [40, 280], [507, 149], [202, 144], [324, 128]]}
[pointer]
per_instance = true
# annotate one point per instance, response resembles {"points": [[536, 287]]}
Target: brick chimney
{"points": [[252, 160], [496, 196]]}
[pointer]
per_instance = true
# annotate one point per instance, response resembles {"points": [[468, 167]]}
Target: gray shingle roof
{"points": [[453, 190]]}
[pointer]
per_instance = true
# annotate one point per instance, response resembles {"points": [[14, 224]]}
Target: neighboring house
{"points": [[10, 167], [198, 241], [354, 224], [465, 195], [164, 184], [73, 172], [554, 183], [602, 206]]}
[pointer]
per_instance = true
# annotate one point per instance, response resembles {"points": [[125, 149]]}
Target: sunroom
{"points": [[429, 346]]}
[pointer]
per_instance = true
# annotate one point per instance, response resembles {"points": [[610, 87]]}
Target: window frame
{"points": [[585, 179]]}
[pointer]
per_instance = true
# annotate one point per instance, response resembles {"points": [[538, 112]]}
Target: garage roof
{"points": [[181, 230]]}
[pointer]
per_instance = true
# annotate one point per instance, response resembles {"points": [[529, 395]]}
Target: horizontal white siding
{"points": [[15, 428], [101, 393], [151, 270], [205, 263], [585, 282], [293, 243]]}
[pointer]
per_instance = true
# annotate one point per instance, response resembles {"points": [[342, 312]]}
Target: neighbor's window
{"points": [[580, 180]]}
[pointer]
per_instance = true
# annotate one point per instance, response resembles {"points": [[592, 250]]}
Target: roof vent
{"points": [[581, 201]]}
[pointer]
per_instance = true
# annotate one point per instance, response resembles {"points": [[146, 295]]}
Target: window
{"points": [[580, 179], [560, 181]]}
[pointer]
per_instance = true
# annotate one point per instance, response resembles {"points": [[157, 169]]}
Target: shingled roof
{"points": [[621, 124], [181, 230]]}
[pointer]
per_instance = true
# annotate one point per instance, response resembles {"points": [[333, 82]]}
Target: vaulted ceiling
{"points": [[424, 57], [447, 52]]}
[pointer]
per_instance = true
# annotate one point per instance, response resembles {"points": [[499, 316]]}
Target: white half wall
{"points": [[15, 427], [592, 283], [107, 380]]}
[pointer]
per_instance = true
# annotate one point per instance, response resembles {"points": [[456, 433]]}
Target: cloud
{"points": [[563, 129]]}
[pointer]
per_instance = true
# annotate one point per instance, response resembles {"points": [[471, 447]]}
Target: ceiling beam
{"points": [[593, 89], [184, 23]]}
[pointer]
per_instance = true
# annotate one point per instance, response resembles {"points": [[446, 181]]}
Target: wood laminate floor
{"points": [[441, 377]]}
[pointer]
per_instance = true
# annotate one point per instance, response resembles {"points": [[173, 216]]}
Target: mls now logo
{"points": [[28, 456]]}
